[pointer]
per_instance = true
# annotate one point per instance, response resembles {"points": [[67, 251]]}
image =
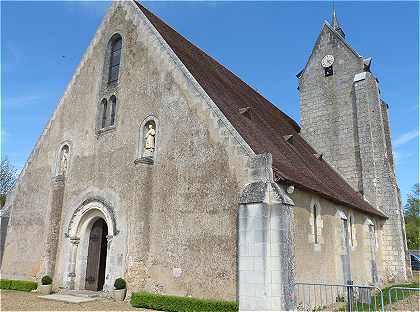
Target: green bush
{"points": [[180, 304], [18, 285], [5, 284], [120, 283], [46, 280]]}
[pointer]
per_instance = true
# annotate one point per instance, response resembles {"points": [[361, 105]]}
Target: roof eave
{"points": [[377, 213]]}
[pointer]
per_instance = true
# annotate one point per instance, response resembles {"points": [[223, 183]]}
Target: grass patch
{"points": [[385, 291], [401, 295], [180, 304], [18, 285]]}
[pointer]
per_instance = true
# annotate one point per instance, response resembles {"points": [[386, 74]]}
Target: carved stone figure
{"points": [[149, 145], [64, 161]]}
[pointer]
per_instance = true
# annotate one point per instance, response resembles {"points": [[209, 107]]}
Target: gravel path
{"points": [[11, 300]]}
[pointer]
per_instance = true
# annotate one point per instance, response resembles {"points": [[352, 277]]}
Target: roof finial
{"points": [[336, 24]]}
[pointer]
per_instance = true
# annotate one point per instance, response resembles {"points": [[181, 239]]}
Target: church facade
{"points": [[161, 166]]}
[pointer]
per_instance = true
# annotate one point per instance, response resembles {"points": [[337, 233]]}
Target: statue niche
{"points": [[147, 141], [64, 160]]}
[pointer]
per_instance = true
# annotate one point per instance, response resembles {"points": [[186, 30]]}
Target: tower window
{"points": [[328, 71], [115, 57]]}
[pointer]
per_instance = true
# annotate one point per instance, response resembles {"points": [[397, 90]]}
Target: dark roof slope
{"points": [[263, 129]]}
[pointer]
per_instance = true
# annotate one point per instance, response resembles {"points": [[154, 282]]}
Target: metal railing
{"points": [[338, 297], [403, 298]]}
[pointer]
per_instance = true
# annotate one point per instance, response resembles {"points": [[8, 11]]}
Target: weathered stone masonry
{"points": [[206, 217], [344, 118]]}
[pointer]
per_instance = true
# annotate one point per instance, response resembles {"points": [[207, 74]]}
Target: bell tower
{"points": [[344, 117]]}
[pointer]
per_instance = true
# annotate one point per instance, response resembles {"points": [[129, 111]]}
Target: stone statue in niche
{"points": [[64, 160], [149, 143]]}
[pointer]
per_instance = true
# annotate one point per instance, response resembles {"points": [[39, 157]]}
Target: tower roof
{"points": [[336, 25]]}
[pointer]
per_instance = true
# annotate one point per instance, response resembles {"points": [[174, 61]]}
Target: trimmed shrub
{"points": [[120, 283], [180, 304], [18, 285], [46, 280], [5, 284]]}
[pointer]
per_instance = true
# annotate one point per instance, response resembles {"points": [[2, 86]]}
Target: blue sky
{"points": [[265, 43]]}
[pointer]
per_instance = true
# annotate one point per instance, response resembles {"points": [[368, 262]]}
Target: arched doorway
{"points": [[96, 260], [91, 229]]}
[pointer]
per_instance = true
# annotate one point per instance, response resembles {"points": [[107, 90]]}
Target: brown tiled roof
{"points": [[265, 126]]}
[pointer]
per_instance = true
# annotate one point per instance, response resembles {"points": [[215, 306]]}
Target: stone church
{"points": [[161, 166]]}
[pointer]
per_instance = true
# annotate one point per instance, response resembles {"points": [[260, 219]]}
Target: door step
{"points": [[83, 293], [67, 298]]}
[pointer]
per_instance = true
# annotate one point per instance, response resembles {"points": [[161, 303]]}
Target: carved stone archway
{"points": [[78, 232]]}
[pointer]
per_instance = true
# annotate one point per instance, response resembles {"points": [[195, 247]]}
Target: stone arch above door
{"points": [[97, 207]]}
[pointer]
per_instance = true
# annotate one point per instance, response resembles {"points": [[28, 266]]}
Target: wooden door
{"points": [[94, 255]]}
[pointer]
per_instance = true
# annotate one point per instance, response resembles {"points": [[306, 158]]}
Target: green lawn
{"points": [[385, 292]]}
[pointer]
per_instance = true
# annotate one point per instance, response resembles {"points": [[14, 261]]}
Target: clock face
{"points": [[327, 60]]}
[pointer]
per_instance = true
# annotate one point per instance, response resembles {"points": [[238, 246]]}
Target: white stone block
{"points": [[275, 250], [248, 290], [247, 303], [259, 250], [275, 263], [245, 250], [256, 277], [276, 290], [276, 303], [275, 236], [262, 304], [259, 264], [275, 276], [276, 223], [246, 263], [264, 291], [260, 237]]}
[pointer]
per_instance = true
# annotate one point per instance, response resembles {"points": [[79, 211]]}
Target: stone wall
{"points": [[327, 115], [344, 119], [177, 218], [322, 262], [378, 160], [266, 242]]}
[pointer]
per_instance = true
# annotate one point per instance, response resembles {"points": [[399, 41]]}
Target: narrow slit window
{"points": [[351, 230], [115, 58], [113, 100], [104, 113], [315, 225]]}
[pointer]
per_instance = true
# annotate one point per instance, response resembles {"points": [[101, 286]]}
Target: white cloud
{"points": [[406, 137]]}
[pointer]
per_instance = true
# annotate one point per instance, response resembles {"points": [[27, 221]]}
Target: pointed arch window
{"points": [[115, 58]]}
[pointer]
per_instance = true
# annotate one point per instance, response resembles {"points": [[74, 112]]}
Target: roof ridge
{"points": [[265, 129]]}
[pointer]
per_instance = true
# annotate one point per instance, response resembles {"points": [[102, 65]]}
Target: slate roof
{"points": [[265, 127]]}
